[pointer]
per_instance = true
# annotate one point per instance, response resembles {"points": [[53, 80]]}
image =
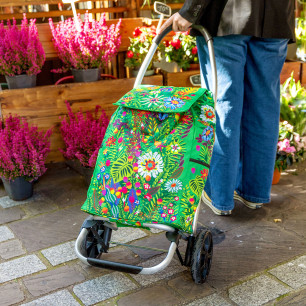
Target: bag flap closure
{"points": [[162, 99]]}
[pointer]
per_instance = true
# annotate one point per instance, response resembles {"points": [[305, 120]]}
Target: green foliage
{"points": [[293, 105], [121, 168]]}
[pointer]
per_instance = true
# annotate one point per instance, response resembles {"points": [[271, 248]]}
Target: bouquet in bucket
{"points": [[139, 46], [93, 46], [21, 51]]}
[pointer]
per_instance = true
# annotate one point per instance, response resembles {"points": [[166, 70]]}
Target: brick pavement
{"points": [[259, 256]]}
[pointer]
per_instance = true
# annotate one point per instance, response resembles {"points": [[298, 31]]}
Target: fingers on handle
{"points": [[165, 25]]}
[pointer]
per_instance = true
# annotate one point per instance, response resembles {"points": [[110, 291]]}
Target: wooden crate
{"points": [[179, 79], [288, 68], [44, 105]]}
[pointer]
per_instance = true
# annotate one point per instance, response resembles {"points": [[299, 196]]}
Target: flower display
{"points": [[181, 49], [23, 149], [21, 51], [93, 46], [83, 135], [139, 46]]}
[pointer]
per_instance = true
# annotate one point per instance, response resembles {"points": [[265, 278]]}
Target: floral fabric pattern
{"points": [[153, 162]]}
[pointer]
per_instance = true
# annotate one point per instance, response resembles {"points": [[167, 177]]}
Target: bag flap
{"points": [[162, 99]]}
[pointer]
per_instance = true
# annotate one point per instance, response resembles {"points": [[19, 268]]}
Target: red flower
{"points": [[167, 44], [148, 197], [137, 32], [194, 50], [204, 173], [176, 44], [130, 54]]}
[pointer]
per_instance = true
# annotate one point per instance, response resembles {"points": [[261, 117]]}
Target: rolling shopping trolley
{"points": [[151, 170]]}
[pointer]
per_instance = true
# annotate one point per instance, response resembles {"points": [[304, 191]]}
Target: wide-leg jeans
{"points": [[247, 112]]}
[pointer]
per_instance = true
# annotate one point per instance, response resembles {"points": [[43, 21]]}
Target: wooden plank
{"points": [[30, 2], [179, 79], [288, 68], [63, 13], [44, 105], [303, 78]]}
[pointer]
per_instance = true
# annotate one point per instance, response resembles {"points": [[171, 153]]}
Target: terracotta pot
{"points": [[276, 176]]}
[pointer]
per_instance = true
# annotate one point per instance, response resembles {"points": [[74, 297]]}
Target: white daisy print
{"points": [[150, 164], [175, 148], [173, 185], [208, 114]]}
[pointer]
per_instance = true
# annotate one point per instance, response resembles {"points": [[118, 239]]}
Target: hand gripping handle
{"points": [[159, 38]]}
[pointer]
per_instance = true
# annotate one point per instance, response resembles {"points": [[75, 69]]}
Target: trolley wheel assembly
{"points": [[202, 256], [93, 242]]}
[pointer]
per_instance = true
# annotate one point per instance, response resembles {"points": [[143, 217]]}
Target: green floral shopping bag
{"points": [[154, 160]]}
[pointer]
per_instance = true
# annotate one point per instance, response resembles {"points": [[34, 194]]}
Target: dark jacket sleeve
{"points": [[192, 10]]}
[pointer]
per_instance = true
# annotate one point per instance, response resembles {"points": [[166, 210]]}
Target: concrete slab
{"points": [[103, 288], [5, 233], [127, 234], [293, 299], [61, 253], [20, 267], [257, 291], [157, 295], [211, 300], [48, 281], [11, 294], [62, 298], [10, 214], [251, 249], [173, 268], [11, 249], [7, 202], [47, 230], [292, 273]]}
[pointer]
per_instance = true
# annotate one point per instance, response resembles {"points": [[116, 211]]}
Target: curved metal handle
{"points": [[159, 38]]}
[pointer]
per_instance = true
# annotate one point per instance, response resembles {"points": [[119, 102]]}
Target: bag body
{"points": [[154, 160]]}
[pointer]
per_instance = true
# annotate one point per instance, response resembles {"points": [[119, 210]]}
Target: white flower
{"points": [[150, 164], [208, 114], [173, 185], [175, 148]]}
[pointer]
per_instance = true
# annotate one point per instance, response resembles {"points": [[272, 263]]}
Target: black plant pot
{"points": [[86, 172], [21, 81], [18, 189]]}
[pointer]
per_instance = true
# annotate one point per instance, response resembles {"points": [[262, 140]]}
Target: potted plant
{"points": [[21, 53], [22, 156], [139, 46], [182, 49], [300, 34], [290, 148], [85, 49], [83, 135]]}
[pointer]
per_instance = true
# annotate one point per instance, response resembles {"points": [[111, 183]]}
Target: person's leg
{"points": [[230, 52], [260, 118]]}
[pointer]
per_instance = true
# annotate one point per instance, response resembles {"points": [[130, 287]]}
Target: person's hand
{"points": [[179, 24]]}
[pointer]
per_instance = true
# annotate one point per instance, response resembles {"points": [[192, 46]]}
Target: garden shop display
{"points": [[139, 46], [181, 49], [21, 53], [300, 35], [91, 47], [22, 155], [82, 135]]}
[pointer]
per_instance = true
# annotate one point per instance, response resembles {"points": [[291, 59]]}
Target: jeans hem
{"points": [[253, 199], [224, 208]]}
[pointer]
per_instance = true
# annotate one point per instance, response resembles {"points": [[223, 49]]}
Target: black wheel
{"points": [[202, 256], [91, 245]]}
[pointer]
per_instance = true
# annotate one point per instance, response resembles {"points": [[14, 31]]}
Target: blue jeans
{"points": [[247, 116]]}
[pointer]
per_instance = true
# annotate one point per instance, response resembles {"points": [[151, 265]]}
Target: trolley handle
{"points": [[158, 39]]}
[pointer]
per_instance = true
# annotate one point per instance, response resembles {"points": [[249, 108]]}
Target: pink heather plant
{"points": [[23, 149], [21, 51], [83, 135], [91, 47]]}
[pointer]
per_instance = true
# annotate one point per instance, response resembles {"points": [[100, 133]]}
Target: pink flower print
{"points": [[171, 204], [170, 211], [165, 207], [176, 198], [146, 186], [163, 215], [173, 218], [148, 197]]}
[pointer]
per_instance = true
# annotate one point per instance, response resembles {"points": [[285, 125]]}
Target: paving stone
{"points": [[257, 291], [59, 298], [10, 294], [61, 253], [122, 254], [294, 299], [103, 288], [46, 282], [10, 249], [156, 231], [186, 287], [250, 249], [10, 214], [46, 230], [173, 268], [20, 267], [158, 295], [211, 300], [292, 273], [5, 233], [7, 202], [156, 241], [127, 234], [39, 207]]}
